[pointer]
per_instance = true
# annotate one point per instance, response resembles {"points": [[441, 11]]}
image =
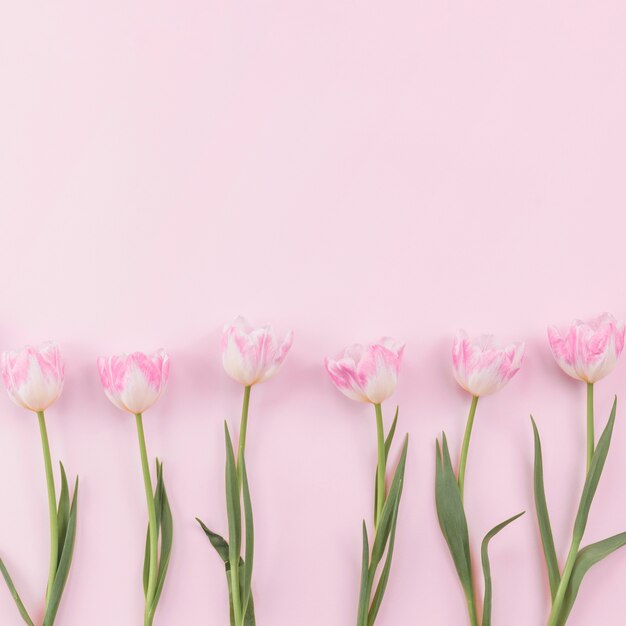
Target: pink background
{"points": [[347, 169]]}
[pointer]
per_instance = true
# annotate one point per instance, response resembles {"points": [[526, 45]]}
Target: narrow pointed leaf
{"points": [[388, 442], [233, 505], [157, 507], [365, 584], [384, 576], [593, 476], [18, 601], [217, 541], [452, 518], [65, 563], [233, 509], [63, 511], [586, 558], [543, 517], [166, 527], [249, 558], [221, 547], [384, 523], [487, 569]]}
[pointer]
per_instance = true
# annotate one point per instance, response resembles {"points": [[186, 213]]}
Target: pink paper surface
{"points": [[348, 170]]}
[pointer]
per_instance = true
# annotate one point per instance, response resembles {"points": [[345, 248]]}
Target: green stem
{"points": [[557, 605], [466, 443], [243, 429], [471, 609], [52, 505], [234, 583], [590, 425], [152, 572], [382, 461]]}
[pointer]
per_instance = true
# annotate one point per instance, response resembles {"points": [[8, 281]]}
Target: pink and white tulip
{"points": [[588, 351], [367, 373], [34, 376], [481, 367], [251, 354], [134, 382]]}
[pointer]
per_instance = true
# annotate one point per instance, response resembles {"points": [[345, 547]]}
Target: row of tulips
{"points": [[133, 382]]}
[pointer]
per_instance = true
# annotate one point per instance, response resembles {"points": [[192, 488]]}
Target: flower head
{"points": [[33, 376], [251, 354], [589, 350], [481, 367], [134, 382], [367, 373]]}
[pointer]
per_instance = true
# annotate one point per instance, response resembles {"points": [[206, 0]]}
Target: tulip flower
{"points": [[133, 383], [586, 351], [481, 368], [250, 355], [34, 381], [370, 374]]}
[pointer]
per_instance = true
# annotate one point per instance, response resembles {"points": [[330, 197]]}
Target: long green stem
{"points": [[466, 443], [557, 605], [591, 442], [52, 504], [152, 572], [243, 429], [382, 462]]}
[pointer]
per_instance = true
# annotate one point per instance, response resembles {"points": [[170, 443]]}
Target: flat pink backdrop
{"points": [[347, 169]]}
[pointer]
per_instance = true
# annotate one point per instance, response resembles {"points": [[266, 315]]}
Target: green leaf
{"points": [[157, 507], [247, 572], [165, 524], [217, 541], [388, 442], [64, 564], [221, 547], [365, 584], [452, 518], [585, 559], [384, 576], [63, 511], [593, 476], [487, 569], [543, 517], [18, 601], [384, 523], [233, 504], [233, 508]]}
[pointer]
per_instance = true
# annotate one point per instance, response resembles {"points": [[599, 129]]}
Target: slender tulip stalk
{"points": [[250, 355], [481, 368], [34, 380], [133, 383], [370, 374]]}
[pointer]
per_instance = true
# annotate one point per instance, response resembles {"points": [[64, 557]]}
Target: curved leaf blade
{"points": [[365, 583], [543, 517], [484, 551], [16, 597], [64, 564], [593, 476], [384, 576], [586, 559], [452, 520], [63, 511], [249, 555], [388, 442]]}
